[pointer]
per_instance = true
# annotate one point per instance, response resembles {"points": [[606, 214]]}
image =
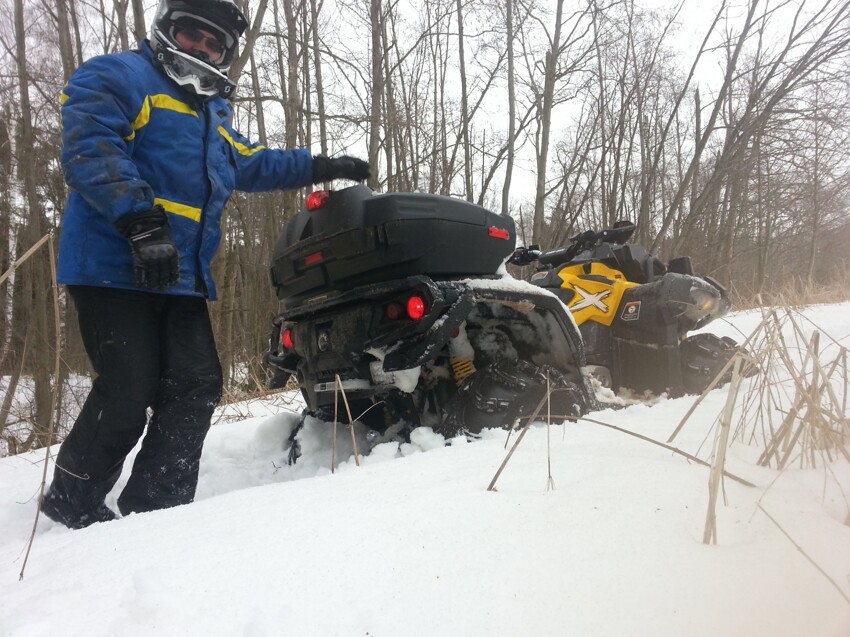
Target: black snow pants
{"points": [[149, 351]]}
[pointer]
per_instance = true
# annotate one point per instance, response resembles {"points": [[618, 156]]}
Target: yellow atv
{"points": [[634, 311]]}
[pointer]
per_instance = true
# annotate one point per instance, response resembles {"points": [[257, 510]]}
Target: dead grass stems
{"points": [[48, 238]]}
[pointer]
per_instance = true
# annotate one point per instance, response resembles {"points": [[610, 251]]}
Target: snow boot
{"points": [[60, 510]]}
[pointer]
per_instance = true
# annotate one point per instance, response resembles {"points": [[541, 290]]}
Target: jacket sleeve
{"points": [[98, 113], [259, 168]]}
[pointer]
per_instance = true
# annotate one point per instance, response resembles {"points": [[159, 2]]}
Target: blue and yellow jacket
{"points": [[133, 138]]}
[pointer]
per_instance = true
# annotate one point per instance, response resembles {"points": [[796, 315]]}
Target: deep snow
{"points": [[412, 544]]}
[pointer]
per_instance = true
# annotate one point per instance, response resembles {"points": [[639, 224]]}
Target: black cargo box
{"points": [[358, 237]]}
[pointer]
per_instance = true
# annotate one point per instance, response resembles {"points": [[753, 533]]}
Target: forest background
{"points": [[722, 131]]}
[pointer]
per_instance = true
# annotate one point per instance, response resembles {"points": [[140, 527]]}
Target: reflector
{"points": [[310, 259], [286, 339]]}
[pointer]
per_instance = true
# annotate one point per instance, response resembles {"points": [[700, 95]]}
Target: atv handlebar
{"points": [[525, 256], [620, 233]]}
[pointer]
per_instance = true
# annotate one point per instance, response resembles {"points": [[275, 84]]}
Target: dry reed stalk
{"points": [[719, 461], [818, 369], [675, 450], [791, 444], [843, 356], [26, 255], [837, 416], [550, 482], [812, 395], [336, 420], [809, 394], [529, 420], [818, 431], [716, 381], [826, 425], [663, 445], [54, 398], [350, 421], [762, 393], [804, 554], [773, 445]]}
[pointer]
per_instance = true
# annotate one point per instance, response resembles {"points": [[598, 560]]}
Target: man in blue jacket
{"points": [[151, 159]]}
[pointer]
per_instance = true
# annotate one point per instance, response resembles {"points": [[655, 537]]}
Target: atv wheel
{"points": [[498, 394], [703, 356]]}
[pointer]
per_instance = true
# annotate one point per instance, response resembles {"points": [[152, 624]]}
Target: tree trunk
{"points": [[320, 90], [545, 115], [392, 125], [139, 31], [5, 244], [258, 102], [293, 102], [251, 37], [306, 83], [509, 164], [377, 76], [120, 7], [36, 270], [77, 37], [602, 107], [66, 51], [464, 107]]}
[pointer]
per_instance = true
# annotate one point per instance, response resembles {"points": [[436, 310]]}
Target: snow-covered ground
{"points": [[411, 543]]}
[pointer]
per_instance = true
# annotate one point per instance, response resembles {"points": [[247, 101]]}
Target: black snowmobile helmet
{"points": [[197, 73]]}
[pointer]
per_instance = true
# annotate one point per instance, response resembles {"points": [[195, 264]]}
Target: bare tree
{"points": [[509, 164], [66, 50], [32, 298], [564, 55], [376, 17], [139, 30]]}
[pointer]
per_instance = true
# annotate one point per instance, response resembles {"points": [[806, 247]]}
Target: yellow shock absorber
{"points": [[461, 355], [462, 367]]}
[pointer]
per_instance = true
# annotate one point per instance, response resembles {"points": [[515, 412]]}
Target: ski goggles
{"points": [[203, 77], [194, 36]]}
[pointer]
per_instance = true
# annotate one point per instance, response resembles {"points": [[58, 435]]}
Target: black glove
{"points": [[155, 259], [343, 167]]}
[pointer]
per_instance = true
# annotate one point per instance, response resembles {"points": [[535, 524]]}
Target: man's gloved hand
{"points": [[343, 167], [155, 259]]}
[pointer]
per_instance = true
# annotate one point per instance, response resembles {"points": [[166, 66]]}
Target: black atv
{"points": [[401, 302]]}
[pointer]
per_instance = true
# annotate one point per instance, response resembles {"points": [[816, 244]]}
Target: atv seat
{"points": [[637, 264]]}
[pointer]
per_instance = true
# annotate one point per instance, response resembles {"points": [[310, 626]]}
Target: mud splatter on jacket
{"points": [[133, 138]]}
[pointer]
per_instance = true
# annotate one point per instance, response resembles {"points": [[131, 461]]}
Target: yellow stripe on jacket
{"points": [[179, 209], [162, 101], [242, 148]]}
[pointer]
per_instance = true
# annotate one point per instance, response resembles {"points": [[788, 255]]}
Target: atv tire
{"points": [[703, 356], [498, 394]]}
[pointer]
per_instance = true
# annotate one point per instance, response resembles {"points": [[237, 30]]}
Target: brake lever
{"points": [[524, 256]]}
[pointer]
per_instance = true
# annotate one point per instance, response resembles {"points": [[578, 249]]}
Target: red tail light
{"points": [[317, 199], [499, 233], [286, 339], [415, 307]]}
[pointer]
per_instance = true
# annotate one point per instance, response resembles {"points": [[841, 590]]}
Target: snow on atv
{"points": [[399, 305]]}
